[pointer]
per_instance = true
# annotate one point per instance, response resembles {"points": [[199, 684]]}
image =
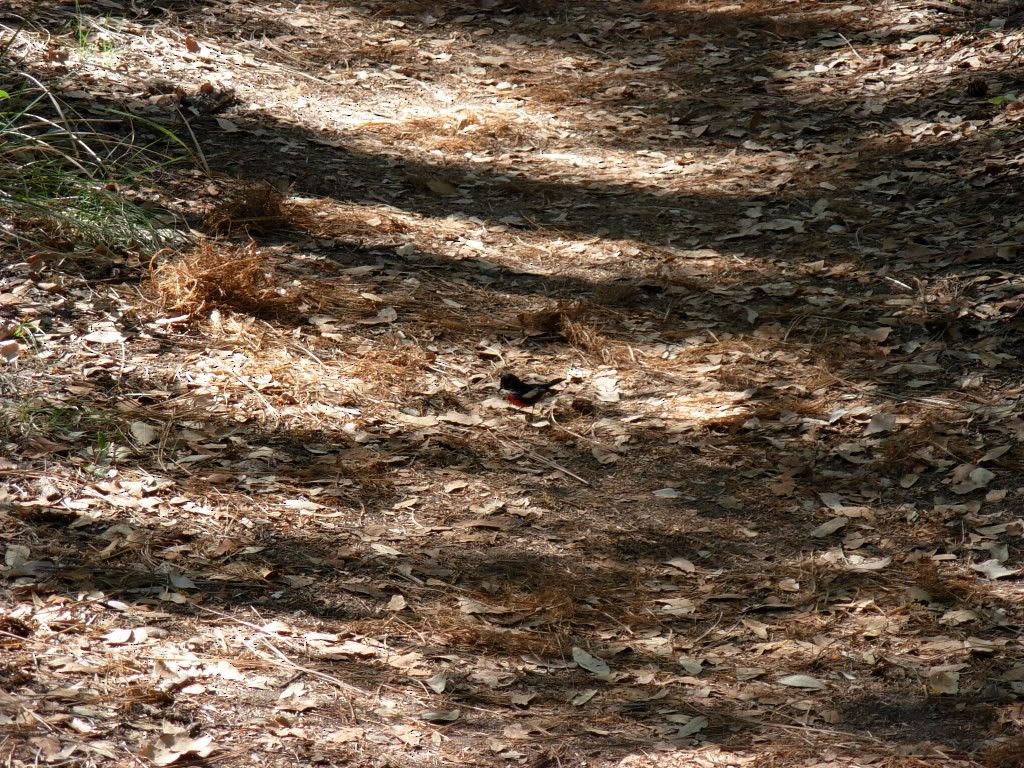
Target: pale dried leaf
{"points": [[591, 663], [668, 493], [342, 735], [829, 527], [802, 681], [397, 603], [858, 564], [169, 747], [879, 334], [441, 715], [105, 336], [418, 421], [758, 628], [465, 419], [692, 666], [682, 564], [119, 636], [16, 554], [607, 388], [749, 673], [298, 703], [880, 422], [944, 683], [471, 606], [438, 682], [993, 569], [961, 616], [695, 725], [349, 648], [583, 697], [144, 433]]}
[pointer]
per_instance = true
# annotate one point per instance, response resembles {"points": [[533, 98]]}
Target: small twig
{"points": [[542, 460], [199, 155], [277, 652], [312, 672], [806, 728], [900, 284], [861, 58], [932, 401], [308, 352], [711, 629], [938, 5], [568, 431], [244, 383]]}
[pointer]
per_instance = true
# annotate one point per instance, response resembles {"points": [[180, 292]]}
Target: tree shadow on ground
{"points": [[527, 605], [582, 566], [703, 217]]}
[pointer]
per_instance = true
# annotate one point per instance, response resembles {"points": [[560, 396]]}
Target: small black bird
{"points": [[522, 394]]}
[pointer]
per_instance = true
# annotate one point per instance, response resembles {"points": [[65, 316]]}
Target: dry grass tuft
{"points": [[253, 208], [460, 631], [584, 336], [327, 218], [215, 276], [954, 588], [467, 130], [618, 294], [910, 448], [570, 321], [545, 322], [1009, 754], [557, 321], [565, 320]]}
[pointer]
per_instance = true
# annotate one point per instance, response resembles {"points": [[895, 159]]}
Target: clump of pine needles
{"points": [[216, 276]]}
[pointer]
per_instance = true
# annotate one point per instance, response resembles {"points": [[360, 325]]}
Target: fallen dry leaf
{"points": [[173, 744], [829, 527], [880, 422], [591, 663], [441, 715], [993, 569], [802, 681], [944, 683]]}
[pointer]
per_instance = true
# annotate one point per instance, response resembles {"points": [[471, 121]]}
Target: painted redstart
{"points": [[522, 394]]}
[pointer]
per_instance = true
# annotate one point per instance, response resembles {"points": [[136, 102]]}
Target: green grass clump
{"points": [[62, 174]]}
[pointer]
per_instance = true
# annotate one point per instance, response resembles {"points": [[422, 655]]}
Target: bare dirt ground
{"points": [[262, 505]]}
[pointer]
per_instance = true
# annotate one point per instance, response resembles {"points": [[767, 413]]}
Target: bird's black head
{"points": [[510, 382]]}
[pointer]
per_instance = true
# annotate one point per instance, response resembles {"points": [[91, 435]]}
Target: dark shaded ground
{"points": [[763, 291]]}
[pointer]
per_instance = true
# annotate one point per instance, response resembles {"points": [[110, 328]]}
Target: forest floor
{"points": [[262, 504]]}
